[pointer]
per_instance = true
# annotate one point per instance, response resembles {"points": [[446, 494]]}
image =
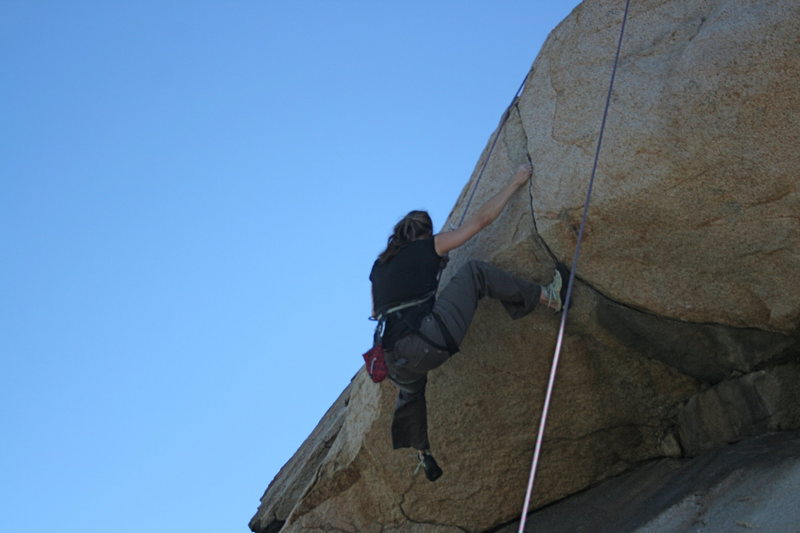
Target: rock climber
{"points": [[427, 329]]}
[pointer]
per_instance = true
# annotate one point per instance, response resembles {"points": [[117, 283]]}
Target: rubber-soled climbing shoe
{"points": [[553, 292], [562, 269], [428, 464]]}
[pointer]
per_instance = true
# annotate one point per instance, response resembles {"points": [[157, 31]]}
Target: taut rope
{"points": [[570, 285]]}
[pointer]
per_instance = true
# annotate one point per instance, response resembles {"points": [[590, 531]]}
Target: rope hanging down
{"points": [[491, 149], [570, 284]]}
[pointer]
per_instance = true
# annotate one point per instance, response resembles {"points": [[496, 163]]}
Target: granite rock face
{"points": [[684, 333], [751, 485], [695, 212]]}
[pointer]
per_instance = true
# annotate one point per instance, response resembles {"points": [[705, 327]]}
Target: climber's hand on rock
{"points": [[523, 174]]}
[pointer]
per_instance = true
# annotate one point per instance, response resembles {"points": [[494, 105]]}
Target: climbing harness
{"points": [[381, 317], [374, 360], [570, 284]]}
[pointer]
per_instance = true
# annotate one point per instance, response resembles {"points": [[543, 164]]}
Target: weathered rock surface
{"points": [[751, 485], [288, 486], [683, 336], [695, 211]]}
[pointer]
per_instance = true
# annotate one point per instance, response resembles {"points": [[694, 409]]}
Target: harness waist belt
{"points": [[382, 316]]}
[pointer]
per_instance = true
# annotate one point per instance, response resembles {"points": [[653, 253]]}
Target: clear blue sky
{"points": [[191, 196]]}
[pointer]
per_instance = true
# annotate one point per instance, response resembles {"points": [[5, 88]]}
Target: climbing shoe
{"points": [[556, 291], [553, 292], [562, 269], [428, 464]]}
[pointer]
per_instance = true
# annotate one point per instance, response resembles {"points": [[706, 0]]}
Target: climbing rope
{"points": [[570, 285], [491, 149]]}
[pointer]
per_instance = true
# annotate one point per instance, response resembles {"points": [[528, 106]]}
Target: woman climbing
{"points": [[422, 331]]}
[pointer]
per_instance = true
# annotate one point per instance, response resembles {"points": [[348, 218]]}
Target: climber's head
{"points": [[415, 225]]}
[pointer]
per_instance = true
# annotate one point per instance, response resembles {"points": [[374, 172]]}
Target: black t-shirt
{"points": [[409, 275]]}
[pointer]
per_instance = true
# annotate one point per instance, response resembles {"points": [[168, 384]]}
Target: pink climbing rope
{"points": [[570, 285]]}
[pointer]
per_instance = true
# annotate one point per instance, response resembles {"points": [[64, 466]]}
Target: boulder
{"points": [[683, 334], [695, 211]]}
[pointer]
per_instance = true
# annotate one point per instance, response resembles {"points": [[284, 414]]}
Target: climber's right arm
{"points": [[450, 240]]}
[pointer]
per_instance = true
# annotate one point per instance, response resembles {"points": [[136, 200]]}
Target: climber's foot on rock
{"points": [[551, 293], [555, 293], [428, 464], [562, 269]]}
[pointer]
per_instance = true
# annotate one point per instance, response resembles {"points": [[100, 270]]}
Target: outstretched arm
{"points": [[450, 240]]}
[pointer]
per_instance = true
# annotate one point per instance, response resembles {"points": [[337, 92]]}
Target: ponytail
{"points": [[411, 227]]}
